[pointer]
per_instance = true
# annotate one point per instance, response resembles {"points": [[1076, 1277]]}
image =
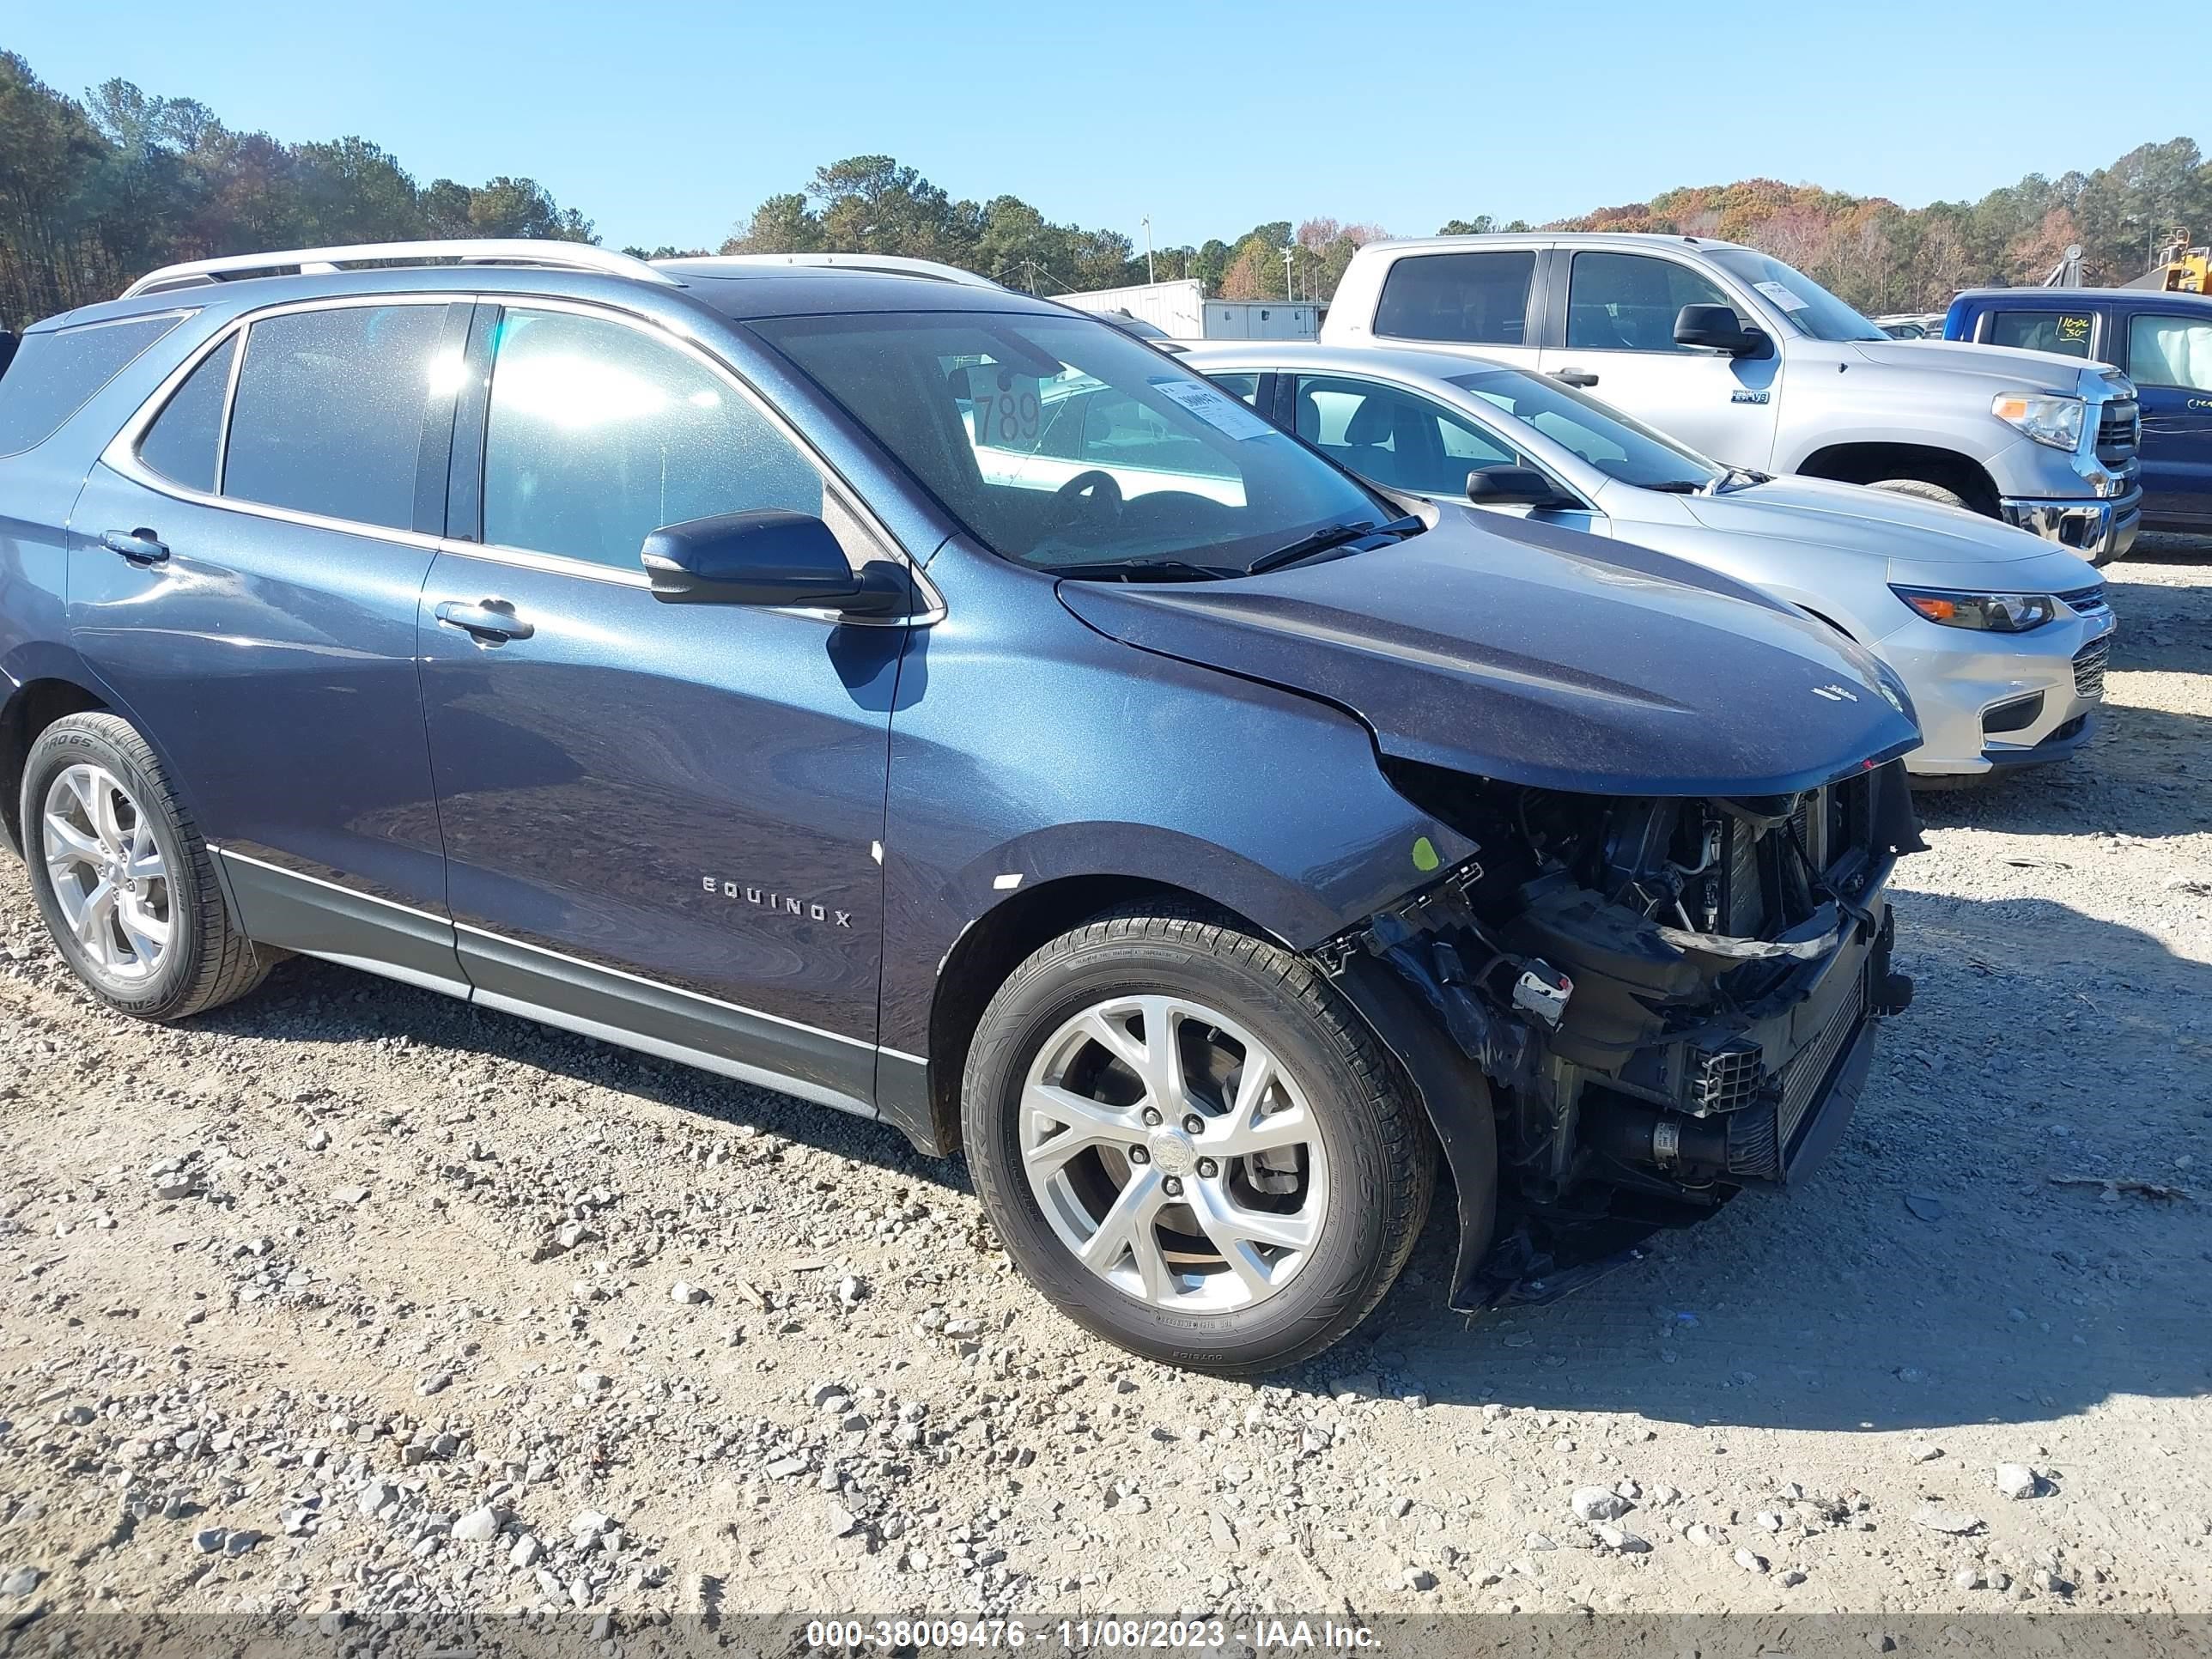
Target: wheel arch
{"points": [[31, 707], [1862, 462], [1004, 936]]}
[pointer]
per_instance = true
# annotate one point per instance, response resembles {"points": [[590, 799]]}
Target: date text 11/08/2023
{"points": [[1085, 1635]]}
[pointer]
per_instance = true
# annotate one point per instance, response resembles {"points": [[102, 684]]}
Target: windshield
{"points": [[1815, 310], [1607, 440], [1063, 443]]}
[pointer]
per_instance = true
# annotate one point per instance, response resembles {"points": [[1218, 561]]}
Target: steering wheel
{"points": [[1094, 496]]}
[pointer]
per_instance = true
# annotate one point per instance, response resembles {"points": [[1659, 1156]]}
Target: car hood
{"points": [[1539, 656], [2019, 369], [1857, 519]]}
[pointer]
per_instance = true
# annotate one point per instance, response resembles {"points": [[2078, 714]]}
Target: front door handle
{"points": [[491, 621], [1576, 377], [140, 546]]}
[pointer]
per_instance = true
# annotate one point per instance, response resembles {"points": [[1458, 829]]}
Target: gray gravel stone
{"points": [[1599, 1503], [478, 1526]]}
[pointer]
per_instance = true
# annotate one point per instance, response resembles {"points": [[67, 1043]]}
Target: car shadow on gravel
{"points": [[1932, 1272], [309, 1001]]}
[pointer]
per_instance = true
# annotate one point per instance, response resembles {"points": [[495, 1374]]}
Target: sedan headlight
{"points": [[1995, 613], [2047, 419]]}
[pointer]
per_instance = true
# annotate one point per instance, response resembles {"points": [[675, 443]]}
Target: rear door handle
{"points": [[492, 621], [140, 546], [1576, 377]]}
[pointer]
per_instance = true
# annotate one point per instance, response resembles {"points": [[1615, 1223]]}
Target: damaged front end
{"points": [[1666, 1000]]}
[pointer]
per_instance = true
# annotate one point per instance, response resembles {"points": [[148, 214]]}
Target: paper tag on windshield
{"points": [[1782, 295], [1216, 408]]}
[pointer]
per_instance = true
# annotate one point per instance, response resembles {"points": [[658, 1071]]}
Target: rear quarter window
{"points": [[1467, 299], [56, 372]]}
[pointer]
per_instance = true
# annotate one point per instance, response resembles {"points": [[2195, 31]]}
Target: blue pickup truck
{"points": [[2162, 341]]}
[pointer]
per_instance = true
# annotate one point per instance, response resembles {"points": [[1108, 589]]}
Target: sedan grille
{"points": [[2118, 432], [2090, 667], [2087, 602]]}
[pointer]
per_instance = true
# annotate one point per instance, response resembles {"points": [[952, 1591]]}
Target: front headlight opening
{"points": [[2048, 419], [1993, 613]]}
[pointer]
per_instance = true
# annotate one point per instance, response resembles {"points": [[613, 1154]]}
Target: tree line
{"points": [[1872, 252], [95, 191]]}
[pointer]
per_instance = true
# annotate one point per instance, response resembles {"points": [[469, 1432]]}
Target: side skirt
{"points": [[317, 918]]}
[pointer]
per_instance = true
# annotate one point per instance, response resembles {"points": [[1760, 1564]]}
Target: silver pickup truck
{"points": [[1756, 365]]}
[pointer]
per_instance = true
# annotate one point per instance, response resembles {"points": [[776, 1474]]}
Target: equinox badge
{"points": [[781, 903]]}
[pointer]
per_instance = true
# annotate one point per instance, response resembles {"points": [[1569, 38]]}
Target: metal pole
{"points": [[1289, 258], [1148, 248]]}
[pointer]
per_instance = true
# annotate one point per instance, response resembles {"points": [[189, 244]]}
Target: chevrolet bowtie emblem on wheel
{"points": [[782, 903], [1835, 694]]}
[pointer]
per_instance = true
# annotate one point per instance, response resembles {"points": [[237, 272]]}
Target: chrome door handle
{"points": [[140, 546], [491, 621], [1576, 377]]}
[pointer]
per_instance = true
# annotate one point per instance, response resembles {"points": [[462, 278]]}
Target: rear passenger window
{"points": [[1629, 301], [1470, 299], [2067, 332], [599, 435], [182, 443], [56, 372], [330, 411]]}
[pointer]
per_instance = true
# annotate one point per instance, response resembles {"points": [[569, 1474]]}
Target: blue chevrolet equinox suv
{"points": [[937, 704]]}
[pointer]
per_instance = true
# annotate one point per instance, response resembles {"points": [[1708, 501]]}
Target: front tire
{"points": [[122, 877], [1922, 489], [1192, 1145]]}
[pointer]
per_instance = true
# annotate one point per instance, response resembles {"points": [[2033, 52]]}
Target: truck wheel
{"points": [[1191, 1144], [1924, 490], [122, 876]]}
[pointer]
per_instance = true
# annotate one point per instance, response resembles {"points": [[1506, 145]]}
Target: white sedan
{"points": [[2000, 637]]}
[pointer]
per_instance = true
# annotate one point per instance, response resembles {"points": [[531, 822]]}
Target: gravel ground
{"points": [[350, 1298]]}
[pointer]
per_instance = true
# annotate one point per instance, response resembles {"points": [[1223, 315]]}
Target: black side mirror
{"points": [[1719, 328], [766, 558], [1512, 486]]}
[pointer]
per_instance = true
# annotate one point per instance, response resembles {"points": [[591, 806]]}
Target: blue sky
{"points": [[668, 122]]}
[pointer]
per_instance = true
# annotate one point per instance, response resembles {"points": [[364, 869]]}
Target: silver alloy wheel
{"points": [[1174, 1155], [108, 874]]}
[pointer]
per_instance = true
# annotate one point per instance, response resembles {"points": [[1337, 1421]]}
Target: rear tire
{"points": [[124, 880], [1924, 490], [1276, 1199]]}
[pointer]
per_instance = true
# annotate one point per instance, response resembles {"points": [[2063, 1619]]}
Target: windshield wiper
{"points": [[1679, 486], [1329, 538], [1147, 570], [1740, 478]]}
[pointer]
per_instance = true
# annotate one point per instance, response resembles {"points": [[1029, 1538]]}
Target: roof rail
{"points": [[467, 250], [879, 265]]}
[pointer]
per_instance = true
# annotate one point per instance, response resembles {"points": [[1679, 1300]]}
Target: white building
{"points": [[1182, 311]]}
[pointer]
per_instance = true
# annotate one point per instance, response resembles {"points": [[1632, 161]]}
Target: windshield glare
{"points": [[1812, 308], [1064, 444], [1610, 441]]}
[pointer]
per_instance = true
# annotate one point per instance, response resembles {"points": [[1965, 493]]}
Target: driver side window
{"points": [[1629, 301], [599, 434], [1396, 439]]}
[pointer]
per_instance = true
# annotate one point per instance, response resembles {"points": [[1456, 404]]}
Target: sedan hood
{"points": [[1538, 656], [1855, 519]]}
